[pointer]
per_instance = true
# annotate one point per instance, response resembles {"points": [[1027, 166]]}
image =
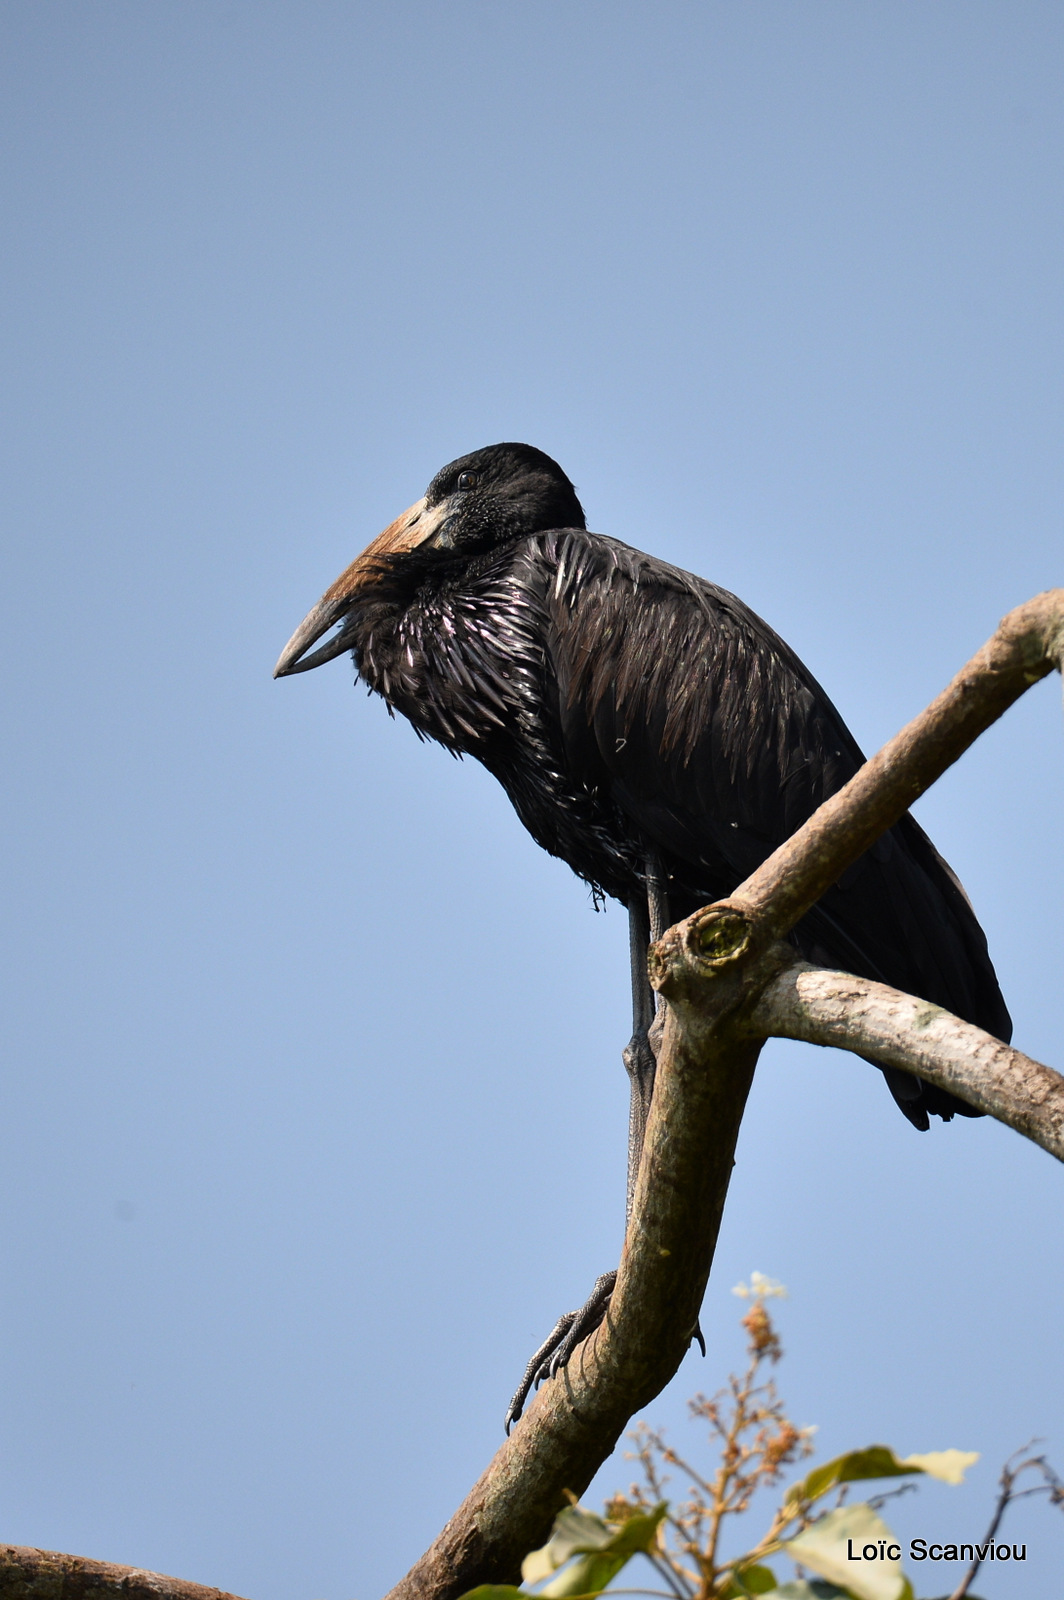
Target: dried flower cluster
{"points": [[757, 1440]]}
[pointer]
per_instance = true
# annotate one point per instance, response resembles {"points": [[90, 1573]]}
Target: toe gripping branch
{"points": [[570, 1330]]}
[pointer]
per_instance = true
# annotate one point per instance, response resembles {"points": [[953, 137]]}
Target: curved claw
{"points": [[585, 1321], [536, 1370], [569, 1331]]}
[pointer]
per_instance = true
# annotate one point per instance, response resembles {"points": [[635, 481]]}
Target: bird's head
{"points": [[503, 492]]}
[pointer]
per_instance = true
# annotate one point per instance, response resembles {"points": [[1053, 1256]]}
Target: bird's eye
{"points": [[467, 480]]}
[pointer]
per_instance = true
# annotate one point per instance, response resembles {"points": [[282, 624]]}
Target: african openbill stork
{"points": [[650, 730]]}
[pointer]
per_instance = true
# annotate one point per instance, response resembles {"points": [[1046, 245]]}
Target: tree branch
{"points": [[1027, 646], [835, 1008], [27, 1574]]}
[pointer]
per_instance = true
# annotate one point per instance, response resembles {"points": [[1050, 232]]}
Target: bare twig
{"points": [[1008, 1493]]}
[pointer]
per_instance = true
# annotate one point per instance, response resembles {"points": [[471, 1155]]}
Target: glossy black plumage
{"points": [[634, 712]]}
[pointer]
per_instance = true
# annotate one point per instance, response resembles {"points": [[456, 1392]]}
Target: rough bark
{"points": [[27, 1574]]}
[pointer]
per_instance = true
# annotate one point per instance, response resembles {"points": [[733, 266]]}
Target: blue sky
{"points": [[312, 1093]]}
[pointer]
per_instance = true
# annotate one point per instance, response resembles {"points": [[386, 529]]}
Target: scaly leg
{"points": [[638, 1055]]}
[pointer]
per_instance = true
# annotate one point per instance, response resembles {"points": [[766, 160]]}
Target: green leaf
{"points": [[749, 1580], [826, 1544], [640, 1532], [493, 1591], [575, 1531], [588, 1575], [803, 1589], [604, 1550], [878, 1461]]}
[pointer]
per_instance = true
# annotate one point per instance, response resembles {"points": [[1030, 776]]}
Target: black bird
{"points": [[649, 729]]}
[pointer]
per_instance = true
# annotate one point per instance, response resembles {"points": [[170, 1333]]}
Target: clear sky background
{"points": [[313, 1109]]}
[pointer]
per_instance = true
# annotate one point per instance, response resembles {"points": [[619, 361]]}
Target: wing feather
{"points": [[690, 715]]}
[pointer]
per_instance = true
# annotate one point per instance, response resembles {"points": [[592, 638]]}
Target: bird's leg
{"points": [[648, 917], [640, 1059], [659, 917], [647, 920]]}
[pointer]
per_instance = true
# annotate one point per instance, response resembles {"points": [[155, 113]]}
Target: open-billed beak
{"points": [[417, 525]]}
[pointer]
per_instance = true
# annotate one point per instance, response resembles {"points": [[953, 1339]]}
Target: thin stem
{"points": [[1008, 1477], [678, 1584]]}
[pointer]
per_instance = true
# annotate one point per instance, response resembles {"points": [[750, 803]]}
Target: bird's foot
{"points": [[569, 1331]]}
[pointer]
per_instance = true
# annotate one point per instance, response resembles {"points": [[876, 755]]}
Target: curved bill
{"points": [[417, 525], [325, 614]]}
